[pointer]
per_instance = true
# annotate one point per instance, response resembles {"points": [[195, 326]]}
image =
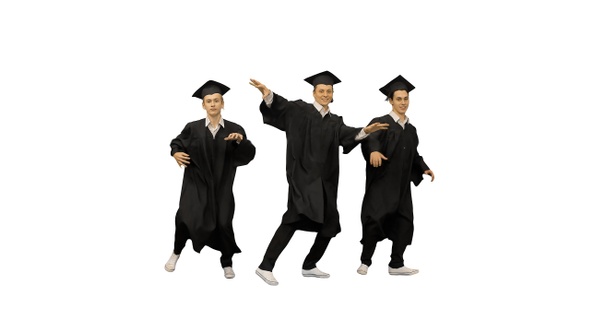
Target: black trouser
{"points": [[181, 235], [279, 242], [399, 228], [397, 253]]}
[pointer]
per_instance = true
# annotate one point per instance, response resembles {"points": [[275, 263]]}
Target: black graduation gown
{"points": [[207, 201], [387, 210], [312, 163]]}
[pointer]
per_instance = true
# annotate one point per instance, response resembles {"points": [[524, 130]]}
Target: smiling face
{"points": [[213, 104], [322, 94], [400, 102]]}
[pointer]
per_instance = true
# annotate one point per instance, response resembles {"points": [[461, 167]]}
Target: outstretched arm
{"points": [[261, 87], [274, 108], [375, 127], [365, 132]]}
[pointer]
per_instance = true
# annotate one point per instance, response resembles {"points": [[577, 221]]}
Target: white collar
{"points": [[320, 108], [397, 119], [207, 122]]}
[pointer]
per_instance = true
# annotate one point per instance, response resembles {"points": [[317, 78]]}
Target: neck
{"points": [[214, 120], [402, 117]]}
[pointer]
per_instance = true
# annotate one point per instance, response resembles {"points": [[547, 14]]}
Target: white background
{"points": [[93, 92]]}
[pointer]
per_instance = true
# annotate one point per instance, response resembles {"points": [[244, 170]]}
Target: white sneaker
{"points": [[402, 271], [267, 277], [362, 269], [315, 272], [171, 264], [228, 272]]}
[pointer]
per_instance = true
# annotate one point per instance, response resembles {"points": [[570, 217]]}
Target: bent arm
{"points": [[372, 143], [179, 143], [244, 151], [419, 167]]}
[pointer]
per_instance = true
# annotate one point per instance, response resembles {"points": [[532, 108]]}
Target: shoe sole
{"points": [[168, 269], [270, 282], [361, 272], [403, 274], [316, 276]]}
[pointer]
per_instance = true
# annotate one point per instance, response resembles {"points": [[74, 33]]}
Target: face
{"points": [[213, 104], [400, 101], [322, 93]]}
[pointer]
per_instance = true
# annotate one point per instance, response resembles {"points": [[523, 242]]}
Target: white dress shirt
{"points": [[398, 120], [211, 128]]}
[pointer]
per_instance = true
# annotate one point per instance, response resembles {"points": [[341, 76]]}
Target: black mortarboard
{"points": [[398, 83], [325, 77], [210, 88]]}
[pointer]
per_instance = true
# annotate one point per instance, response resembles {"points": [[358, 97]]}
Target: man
{"points": [[392, 163], [210, 149], [314, 136]]}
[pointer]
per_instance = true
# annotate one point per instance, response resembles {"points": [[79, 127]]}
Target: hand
{"points": [[182, 159], [431, 173], [375, 158], [376, 126], [261, 87], [234, 137]]}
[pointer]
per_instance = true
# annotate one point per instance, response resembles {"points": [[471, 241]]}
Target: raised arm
{"points": [[274, 108], [261, 87]]}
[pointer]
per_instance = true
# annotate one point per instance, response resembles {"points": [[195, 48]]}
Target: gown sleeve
{"points": [[418, 167], [245, 151], [347, 137], [372, 143], [179, 144], [277, 114]]}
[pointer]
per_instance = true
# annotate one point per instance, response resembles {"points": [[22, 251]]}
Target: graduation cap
{"points": [[398, 83], [325, 77], [209, 88]]}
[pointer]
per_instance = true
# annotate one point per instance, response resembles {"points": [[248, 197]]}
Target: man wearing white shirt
{"points": [[314, 136], [392, 163], [210, 150]]}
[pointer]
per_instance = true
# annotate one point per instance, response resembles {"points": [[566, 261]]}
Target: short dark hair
{"points": [[392, 92]]}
